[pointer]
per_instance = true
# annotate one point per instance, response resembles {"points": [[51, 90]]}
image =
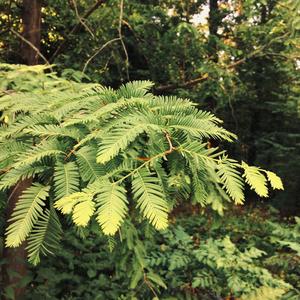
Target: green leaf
{"points": [[230, 177], [255, 179], [156, 279], [67, 203], [38, 152], [135, 89], [89, 169], [117, 139], [275, 181], [26, 213], [45, 236], [83, 211], [66, 179], [136, 277], [150, 199], [111, 202]]}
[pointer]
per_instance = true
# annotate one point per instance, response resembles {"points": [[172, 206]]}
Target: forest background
{"points": [[239, 59]]}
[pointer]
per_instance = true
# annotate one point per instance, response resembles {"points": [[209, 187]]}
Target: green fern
{"points": [[26, 213], [67, 203], [111, 207], [231, 178], [274, 180], [14, 175], [37, 153], [135, 89], [150, 198], [117, 140], [96, 148], [255, 179], [89, 169], [83, 211], [44, 237], [66, 179]]}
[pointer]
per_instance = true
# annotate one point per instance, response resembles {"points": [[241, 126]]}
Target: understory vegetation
{"points": [[200, 256]]}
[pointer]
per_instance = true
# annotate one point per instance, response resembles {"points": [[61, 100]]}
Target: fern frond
{"points": [[66, 179], [255, 179], [198, 127], [46, 148], [117, 140], [274, 180], [112, 207], [199, 190], [198, 153], [231, 178], [50, 130], [67, 203], [11, 177], [25, 122], [106, 94], [150, 198], [45, 236], [9, 151], [135, 89], [88, 167], [167, 105], [27, 211], [83, 211]]}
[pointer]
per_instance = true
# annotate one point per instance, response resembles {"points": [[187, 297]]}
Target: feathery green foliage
{"points": [[26, 213], [111, 203], [44, 237], [150, 198], [93, 152], [66, 179]]}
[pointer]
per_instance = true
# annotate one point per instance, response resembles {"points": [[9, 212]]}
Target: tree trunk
{"points": [[213, 25], [15, 267], [31, 19]]}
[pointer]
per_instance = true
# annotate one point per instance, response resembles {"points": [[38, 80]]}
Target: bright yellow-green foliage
{"points": [[112, 207], [93, 152], [256, 179], [28, 210]]}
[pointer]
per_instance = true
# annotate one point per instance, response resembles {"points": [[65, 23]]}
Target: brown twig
{"points": [[81, 19], [171, 147], [170, 150], [98, 51], [32, 46], [204, 77], [75, 29], [121, 37]]}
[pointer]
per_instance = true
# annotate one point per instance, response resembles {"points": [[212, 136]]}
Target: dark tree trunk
{"points": [[213, 25], [15, 267], [31, 18]]}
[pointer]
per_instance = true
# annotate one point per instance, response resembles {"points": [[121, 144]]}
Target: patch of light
{"points": [[201, 18]]}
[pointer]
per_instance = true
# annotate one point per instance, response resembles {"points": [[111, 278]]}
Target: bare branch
{"points": [[98, 51], [121, 37], [76, 28], [193, 82], [32, 46], [81, 20]]}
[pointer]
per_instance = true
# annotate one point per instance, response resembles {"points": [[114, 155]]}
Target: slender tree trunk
{"points": [[213, 25], [31, 19], [15, 267]]}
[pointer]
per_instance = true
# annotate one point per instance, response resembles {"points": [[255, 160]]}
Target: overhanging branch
{"points": [[76, 28]]}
